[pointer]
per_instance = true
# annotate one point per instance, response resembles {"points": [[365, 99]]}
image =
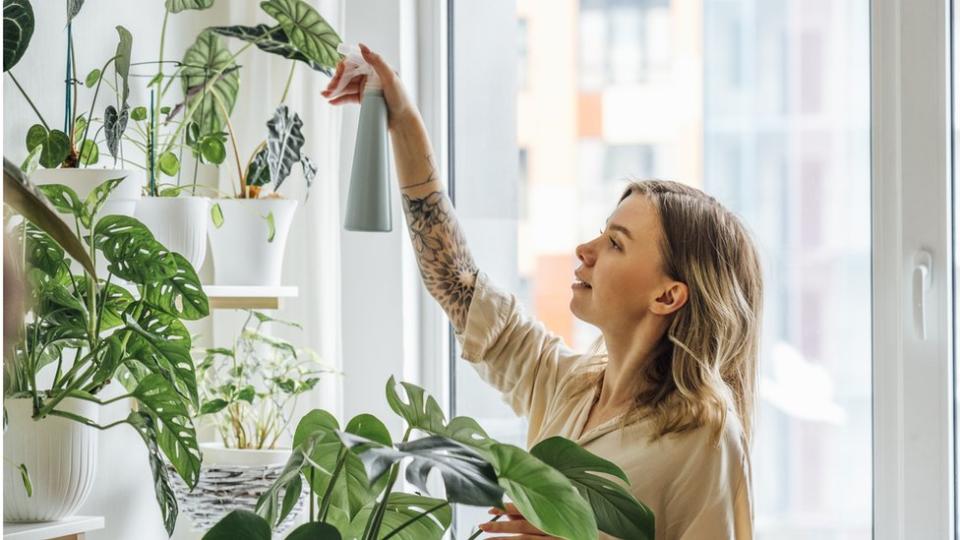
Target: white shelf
{"points": [[239, 297], [74, 526]]}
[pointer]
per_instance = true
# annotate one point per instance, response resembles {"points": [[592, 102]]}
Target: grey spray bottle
{"points": [[368, 200]]}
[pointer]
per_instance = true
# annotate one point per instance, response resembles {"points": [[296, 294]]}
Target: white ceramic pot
{"points": [[179, 223], [122, 200], [230, 478], [60, 455], [243, 252]]}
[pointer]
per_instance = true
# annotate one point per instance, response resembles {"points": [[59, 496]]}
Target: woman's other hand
{"points": [[516, 525], [399, 106]]}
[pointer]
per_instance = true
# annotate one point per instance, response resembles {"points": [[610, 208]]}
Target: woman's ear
{"points": [[671, 299]]}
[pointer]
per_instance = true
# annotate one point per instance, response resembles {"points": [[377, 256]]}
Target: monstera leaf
{"points": [[284, 142], [421, 411], [240, 525], [180, 294], [176, 6], [18, 25], [167, 500], [406, 510], [161, 343], [467, 477], [176, 435], [271, 39], [618, 513], [210, 76], [131, 251], [306, 30]]}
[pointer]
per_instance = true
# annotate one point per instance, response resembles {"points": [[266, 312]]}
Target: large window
{"points": [[763, 104]]}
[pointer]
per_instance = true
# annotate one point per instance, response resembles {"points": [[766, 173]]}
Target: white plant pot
{"points": [[179, 223], [229, 479], [243, 253], [60, 455]]}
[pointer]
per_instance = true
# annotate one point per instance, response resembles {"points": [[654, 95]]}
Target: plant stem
{"points": [[233, 142], [376, 517], [412, 520], [327, 495], [286, 88], [96, 92], [29, 101], [312, 515], [479, 532], [73, 81], [66, 82]]}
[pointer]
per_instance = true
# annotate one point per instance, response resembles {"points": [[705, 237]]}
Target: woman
{"points": [[674, 285]]}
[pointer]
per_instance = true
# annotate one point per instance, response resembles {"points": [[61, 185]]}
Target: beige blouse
{"points": [[695, 488]]}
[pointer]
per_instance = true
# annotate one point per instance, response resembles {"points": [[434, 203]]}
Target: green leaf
{"points": [[42, 252], [176, 6], [401, 508], [176, 435], [108, 360], [165, 110], [273, 503], [89, 152], [213, 406], [264, 318], [18, 24], [247, 393], [306, 30], [617, 512], [96, 199], [31, 162], [132, 252], [545, 497], [168, 163], [23, 197], [314, 531], [352, 490], [258, 172], [181, 294], [145, 426], [73, 8], [161, 343], [216, 214], [114, 124], [63, 198], [92, 78], [138, 113], [467, 477], [79, 125], [284, 142], [271, 39], [210, 75], [55, 145], [271, 227], [122, 61], [421, 412], [213, 150], [309, 171], [25, 478], [240, 525]]}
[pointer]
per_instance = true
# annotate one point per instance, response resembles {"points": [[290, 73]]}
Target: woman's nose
{"points": [[586, 254]]}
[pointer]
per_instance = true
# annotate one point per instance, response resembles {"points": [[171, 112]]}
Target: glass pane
{"points": [[764, 104]]}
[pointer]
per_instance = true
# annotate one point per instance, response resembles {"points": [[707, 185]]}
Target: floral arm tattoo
{"points": [[446, 264]]}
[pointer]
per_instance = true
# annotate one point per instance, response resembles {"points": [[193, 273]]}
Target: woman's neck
{"points": [[627, 355]]}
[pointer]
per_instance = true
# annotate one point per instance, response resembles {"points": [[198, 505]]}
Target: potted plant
{"points": [[351, 475], [258, 218], [83, 332], [68, 156], [248, 394]]}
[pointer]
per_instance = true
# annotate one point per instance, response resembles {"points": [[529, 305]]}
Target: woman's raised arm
{"points": [[445, 262]]}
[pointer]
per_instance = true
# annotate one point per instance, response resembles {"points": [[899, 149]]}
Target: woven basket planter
{"points": [[230, 479]]}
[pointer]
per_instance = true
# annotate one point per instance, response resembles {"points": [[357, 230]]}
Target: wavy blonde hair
{"points": [[706, 363]]}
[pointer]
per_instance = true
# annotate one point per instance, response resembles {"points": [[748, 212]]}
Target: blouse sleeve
{"points": [[513, 352]]}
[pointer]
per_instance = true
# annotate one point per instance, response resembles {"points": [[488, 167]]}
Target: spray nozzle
{"points": [[355, 66]]}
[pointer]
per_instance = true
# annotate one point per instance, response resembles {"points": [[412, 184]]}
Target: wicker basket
{"points": [[230, 479]]}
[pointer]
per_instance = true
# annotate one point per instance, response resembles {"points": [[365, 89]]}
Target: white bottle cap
{"points": [[355, 66]]}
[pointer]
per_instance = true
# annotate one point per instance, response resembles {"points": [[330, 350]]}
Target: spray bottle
{"points": [[368, 200]]}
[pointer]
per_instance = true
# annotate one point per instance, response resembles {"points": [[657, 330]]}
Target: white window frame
{"points": [[913, 389]]}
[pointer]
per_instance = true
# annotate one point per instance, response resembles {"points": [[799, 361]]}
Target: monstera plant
{"points": [[90, 330], [351, 472]]}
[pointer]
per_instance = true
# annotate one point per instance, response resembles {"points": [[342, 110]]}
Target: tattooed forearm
{"points": [[446, 264]]}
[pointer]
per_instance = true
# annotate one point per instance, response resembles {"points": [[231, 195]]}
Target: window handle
{"points": [[922, 267]]}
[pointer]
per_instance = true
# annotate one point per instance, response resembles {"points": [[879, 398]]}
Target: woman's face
{"points": [[622, 281]]}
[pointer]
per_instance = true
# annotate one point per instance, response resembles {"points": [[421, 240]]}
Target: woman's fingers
{"points": [[518, 526], [383, 70]]}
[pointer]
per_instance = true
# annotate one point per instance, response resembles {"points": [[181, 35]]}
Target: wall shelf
{"points": [[69, 528], [240, 297]]}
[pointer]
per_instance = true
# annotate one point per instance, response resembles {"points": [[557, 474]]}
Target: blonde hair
{"points": [[707, 361]]}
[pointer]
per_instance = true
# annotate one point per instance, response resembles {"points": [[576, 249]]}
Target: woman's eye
{"points": [[613, 243]]}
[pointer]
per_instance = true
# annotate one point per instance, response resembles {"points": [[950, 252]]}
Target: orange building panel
{"points": [[590, 111], [552, 293]]}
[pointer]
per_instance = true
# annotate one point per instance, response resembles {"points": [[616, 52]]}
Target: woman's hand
{"points": [[516, 525], [399, 107]]}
